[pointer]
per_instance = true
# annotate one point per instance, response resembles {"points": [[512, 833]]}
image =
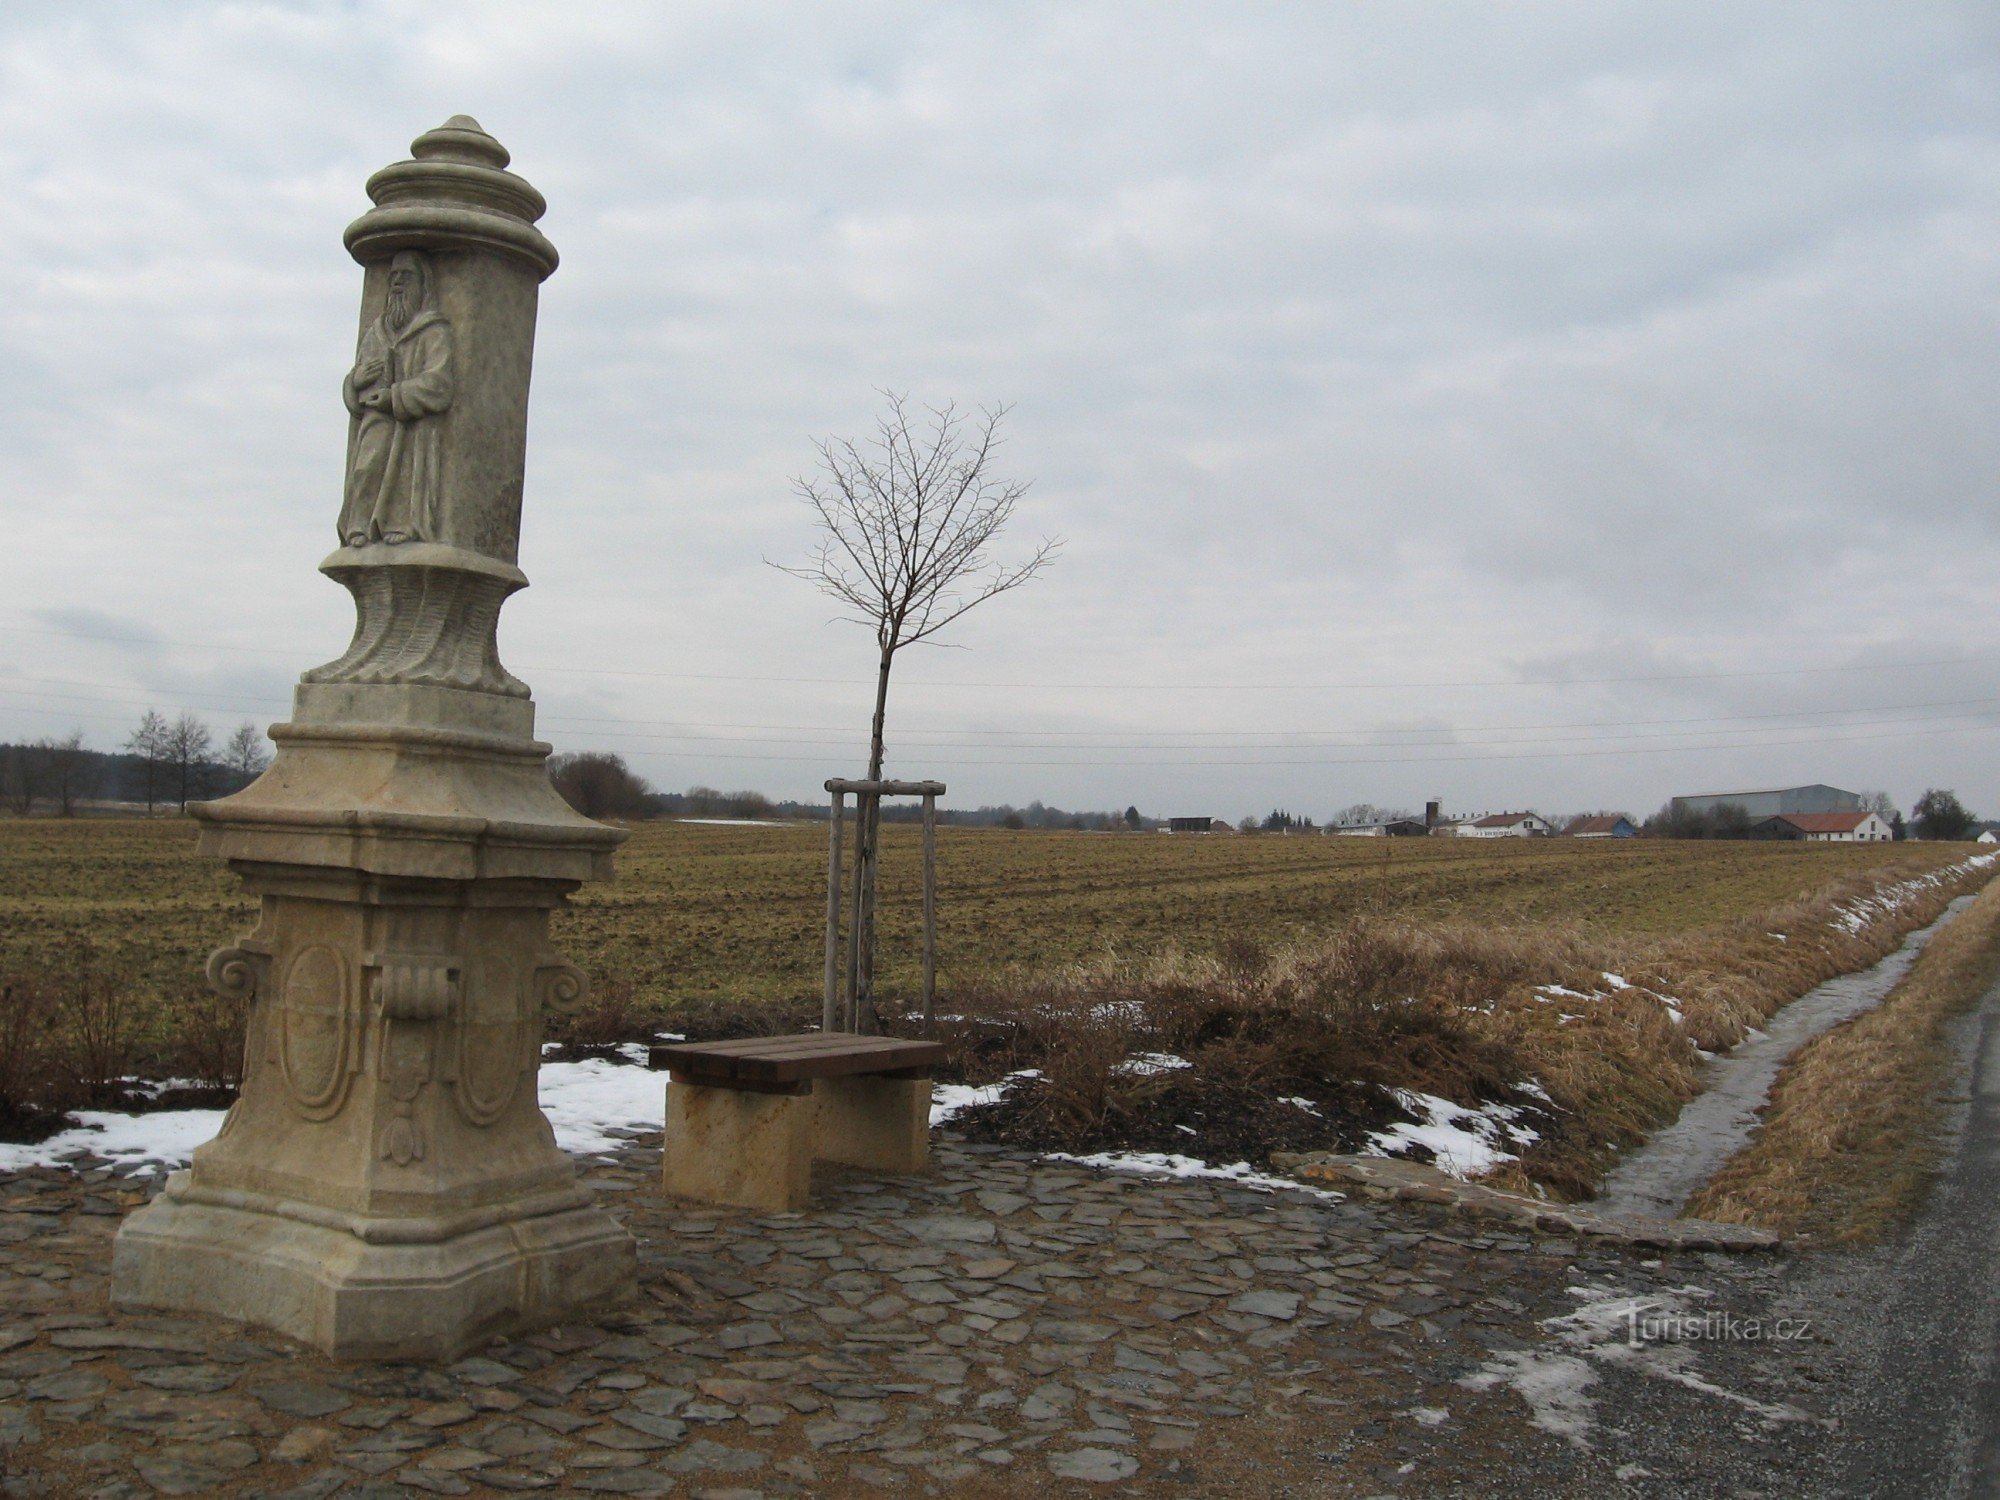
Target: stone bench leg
{"points": [[733, 1146], [882, 1124]]}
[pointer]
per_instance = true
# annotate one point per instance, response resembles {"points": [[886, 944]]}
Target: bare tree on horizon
{"points": [[149, 743], [906, 524], [187, 750], [70, 773], [245, 753]]}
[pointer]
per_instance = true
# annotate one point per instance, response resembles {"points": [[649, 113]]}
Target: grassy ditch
{"points": [[1848, 1146], [1573, 1045]]}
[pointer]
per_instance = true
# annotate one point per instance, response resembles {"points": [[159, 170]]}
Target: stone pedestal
{"points": [[387, 1186]]}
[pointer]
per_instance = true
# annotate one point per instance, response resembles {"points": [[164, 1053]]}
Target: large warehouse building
{"points": [[1772, 802]]}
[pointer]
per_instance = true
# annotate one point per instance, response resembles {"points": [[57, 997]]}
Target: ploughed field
{"points": [[706, 912]]}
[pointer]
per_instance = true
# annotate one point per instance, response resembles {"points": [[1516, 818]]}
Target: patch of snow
{"points": [[1557, 992], [1305, 1104], [166, 1136], [583, 1100], [1856, 916], [1428, 1416], [1466, 1142], [1167, 1164], [1145, 1064], [1617, 982], [949, 1099], [1779, 936], [735, 822], [1556, 1382]]}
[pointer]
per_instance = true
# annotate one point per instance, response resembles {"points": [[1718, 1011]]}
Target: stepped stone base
{"points": [[357, 1298]]}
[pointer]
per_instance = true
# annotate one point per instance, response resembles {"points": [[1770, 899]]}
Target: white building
{"points": [[1826, 828], [1505, 826]]}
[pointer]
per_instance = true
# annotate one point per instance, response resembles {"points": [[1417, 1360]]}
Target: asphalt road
{"points": [[1924, 1419], [1895, 1389]]}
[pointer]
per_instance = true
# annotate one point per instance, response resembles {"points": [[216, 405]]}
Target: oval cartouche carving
{"points": [[315, 1033], [495, 1046]]}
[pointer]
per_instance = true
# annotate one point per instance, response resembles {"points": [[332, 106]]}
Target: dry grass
{"points": [[700, 912], [1469, 1012], [1323, 969], [1848, 1145]]}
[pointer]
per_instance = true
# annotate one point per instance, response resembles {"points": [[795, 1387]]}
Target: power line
{"points": [[947, 762], [1046, 685], [999, 740]]}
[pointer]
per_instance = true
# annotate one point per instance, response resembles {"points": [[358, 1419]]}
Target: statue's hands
{"points": [[375, 400], [370, 372]]}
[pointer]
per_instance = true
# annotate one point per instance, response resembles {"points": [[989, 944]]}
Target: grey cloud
{"points": [[1365, 345]]}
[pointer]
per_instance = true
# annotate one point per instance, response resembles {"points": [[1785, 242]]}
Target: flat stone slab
{"points": [[1001, 1325], [1418, 1182]]}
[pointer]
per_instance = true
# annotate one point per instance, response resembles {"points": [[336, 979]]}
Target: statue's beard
{"points": [[400, 309]]}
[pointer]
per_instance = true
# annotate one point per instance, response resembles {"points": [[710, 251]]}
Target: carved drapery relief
{"points": [[431, 627], [396, 393]]}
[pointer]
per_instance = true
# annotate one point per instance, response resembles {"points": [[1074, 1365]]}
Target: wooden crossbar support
{"points": [[837, 1013]]}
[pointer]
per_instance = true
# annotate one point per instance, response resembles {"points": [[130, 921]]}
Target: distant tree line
{"points": [[164, 763], [1938, 814], [600, 785]]}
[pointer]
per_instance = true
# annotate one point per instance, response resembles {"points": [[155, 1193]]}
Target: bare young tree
{"points": [[245, 753], [907, 520], [187, 752], [68, 771], [149, 743]]}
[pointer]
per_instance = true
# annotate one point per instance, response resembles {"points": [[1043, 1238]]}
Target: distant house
{"points": [[1825, 828], [1988, 836], [1601, 826], [1191, 825], [1504, 826], [1394, 828], [1773, 802]]}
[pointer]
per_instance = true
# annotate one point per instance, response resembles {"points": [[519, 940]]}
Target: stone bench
{"points": [[747, 1119]]}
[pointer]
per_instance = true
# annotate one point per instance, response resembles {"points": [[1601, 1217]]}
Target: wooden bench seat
{"points": [[746, 1119]]}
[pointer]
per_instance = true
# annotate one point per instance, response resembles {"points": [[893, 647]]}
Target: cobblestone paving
{"points": [[1006, 1325]]}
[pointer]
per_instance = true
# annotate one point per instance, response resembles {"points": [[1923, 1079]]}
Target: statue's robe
{"points": [[395, 481]]}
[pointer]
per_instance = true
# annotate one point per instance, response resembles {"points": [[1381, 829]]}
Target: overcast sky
{"points": [[1555, 405]]}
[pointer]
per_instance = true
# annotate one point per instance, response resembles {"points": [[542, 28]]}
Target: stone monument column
{"points": [[387, 1186]]}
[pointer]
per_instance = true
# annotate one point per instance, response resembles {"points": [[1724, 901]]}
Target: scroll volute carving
{"points": [[236, 973], [561, 988]]}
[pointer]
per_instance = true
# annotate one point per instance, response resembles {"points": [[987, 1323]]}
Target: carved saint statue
{"points": [[400, 383]]}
